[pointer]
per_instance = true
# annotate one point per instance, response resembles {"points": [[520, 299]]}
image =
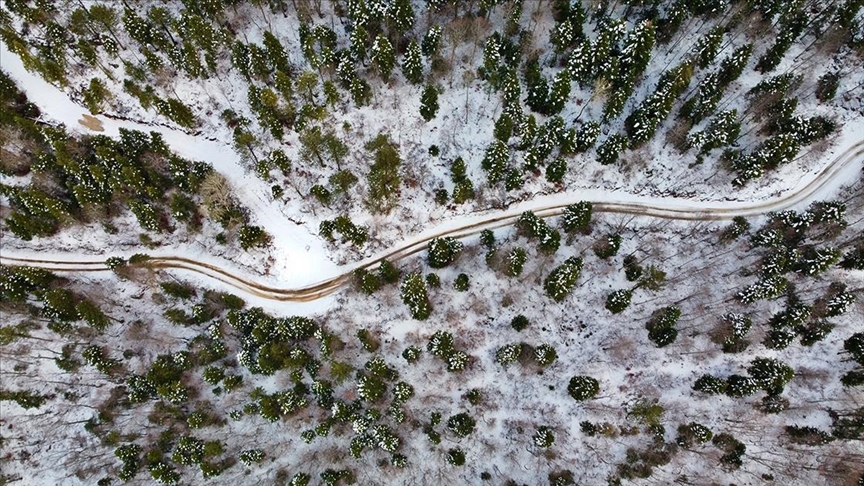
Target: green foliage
{"points": [[455, 457], [583, 388], [413, 294], [545, 355], [366, 281], [251, 236], [519, 323], [563, 278], [577, 217], [509, 353], [429, 103], [661, 326], [383, 57], [26, 399], [607, 247], [411, 354], [383, 178], [693, 434], [608, 151], [710, 384], [443, 251], [461, 283], [543, 438], [618, 300], [461, 424]]}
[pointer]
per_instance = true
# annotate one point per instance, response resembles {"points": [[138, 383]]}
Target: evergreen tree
{"points": [[609, 150], [495, 161], [412, 65], [643, 122], [431, 41], [413, 294], [429, 103], [563, 278], [400, 15], [383, 57], [443, 251], [559, 94], [723, 130], [618, 300], [636, 52], [537, 88], [708, 46], [583, 388], [383, 178], [577, 217]]}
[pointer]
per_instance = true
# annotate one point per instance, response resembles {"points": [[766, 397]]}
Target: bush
{"points": [[583, 388]]}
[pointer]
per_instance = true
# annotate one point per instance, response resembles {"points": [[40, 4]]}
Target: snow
{"points": [[655, 214]]}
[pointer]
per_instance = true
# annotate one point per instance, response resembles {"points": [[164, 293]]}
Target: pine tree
{"points": [[412, 65], [608, 151], [400, 15], [577, 217], [583, 388], [580, 63], [723, 130], [636, 52], [383, 178], [559, 93], [491, 60], [618, 300], [643, 122], [563, 278], [429, 103], [495, 161], [543, 438], [708, 46], [413, 294], [443, 251], [383, 57], [431, 41], [537, 88]]}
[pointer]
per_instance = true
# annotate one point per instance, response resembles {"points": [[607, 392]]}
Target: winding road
{"points": [[307, 266], [838, 168]]}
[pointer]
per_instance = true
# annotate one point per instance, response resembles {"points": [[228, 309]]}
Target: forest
{"points": [[513, 242]]}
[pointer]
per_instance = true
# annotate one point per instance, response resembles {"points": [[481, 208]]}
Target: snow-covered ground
{"points": [[667, 217]]}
